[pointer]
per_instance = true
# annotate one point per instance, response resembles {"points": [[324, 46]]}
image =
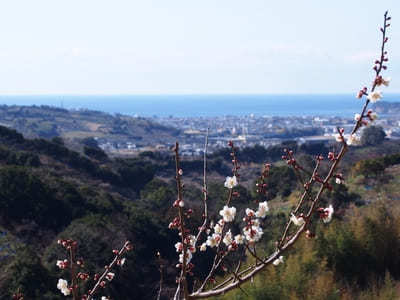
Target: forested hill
{"points": [[47, 122], [48, 191]]}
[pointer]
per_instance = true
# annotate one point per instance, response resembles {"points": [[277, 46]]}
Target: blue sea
{"points": [[204, 105]]}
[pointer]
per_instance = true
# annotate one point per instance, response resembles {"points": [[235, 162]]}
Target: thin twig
{"points": [[161, 267], [126, 247], [205, 190], [181, 222]]}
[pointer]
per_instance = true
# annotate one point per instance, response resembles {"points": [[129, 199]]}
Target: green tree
{"points": [[372, 135]]}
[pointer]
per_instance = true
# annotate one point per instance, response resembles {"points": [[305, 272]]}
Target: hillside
{"points": [[48, 122], [387, 108]]}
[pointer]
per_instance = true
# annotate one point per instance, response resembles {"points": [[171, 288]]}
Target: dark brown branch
{"points": [[205, 190]]}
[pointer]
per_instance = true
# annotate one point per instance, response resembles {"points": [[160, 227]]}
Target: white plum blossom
{"points": [[278, 261], [191, 245], [228, 213], [386, 81], [62, 264], [256, 222], [203, 247], [122, 262], [298, 221], [353, 140], [192, 240], [230, 182], [213, 240], [228, 238], [62, 285], [239, 239], [110, 276], [374, 96], [181, 203], [250, 212], [218, 228], [179, 247], [253, 233], [339, 181], [328, 212], [262, 209], [188, 257], [357, 117]]}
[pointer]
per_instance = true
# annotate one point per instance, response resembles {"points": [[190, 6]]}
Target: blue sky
{"points": [[193, 47]]}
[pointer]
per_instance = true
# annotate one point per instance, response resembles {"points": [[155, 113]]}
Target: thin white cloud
{"points": [[362, 57]]}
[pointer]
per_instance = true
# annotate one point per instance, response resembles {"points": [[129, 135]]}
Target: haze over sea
{"points": [[342, 105]]}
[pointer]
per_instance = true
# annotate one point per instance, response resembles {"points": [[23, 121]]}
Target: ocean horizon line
{"points": [[182, 94], [204, 105]]}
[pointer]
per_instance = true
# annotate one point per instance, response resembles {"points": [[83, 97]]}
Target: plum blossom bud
{"points": [[250, 212], [203, 247], [278, 261], [309, 234], [62, 264], [79, 262], [110, 276], [129, 247], [83, 276], [180, 172], [121, 262], [298, 221], [331, 156], [372, 116], [357, 117], [326, 213]]}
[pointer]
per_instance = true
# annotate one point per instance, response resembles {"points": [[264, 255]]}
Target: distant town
{"points": [[128, 135], [248, 131]]}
